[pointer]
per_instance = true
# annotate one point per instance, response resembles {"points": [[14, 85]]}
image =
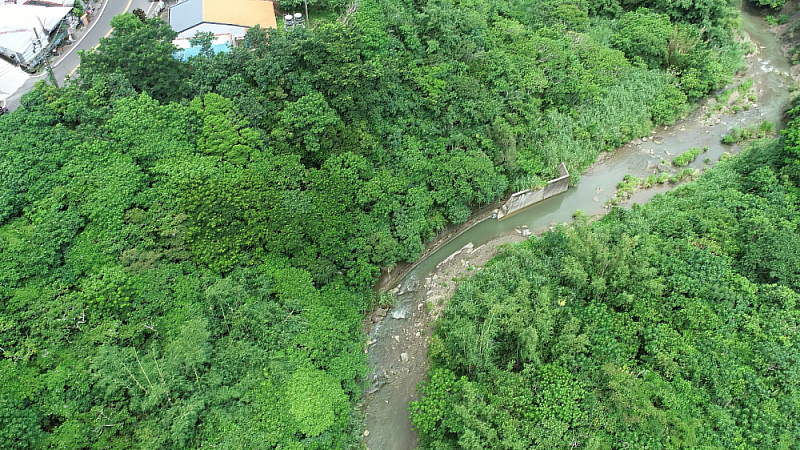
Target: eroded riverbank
{"points": [[399, 338]]}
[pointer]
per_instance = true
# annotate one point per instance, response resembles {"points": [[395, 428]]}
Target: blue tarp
{"points": [[186, 53]]}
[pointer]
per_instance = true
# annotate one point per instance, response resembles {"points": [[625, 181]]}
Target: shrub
{"points": [[724, 96], [766, 128], [689, 173], [737, 135], [688, 156], [745, 87]]}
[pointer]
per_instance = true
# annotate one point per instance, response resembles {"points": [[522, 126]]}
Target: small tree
{"points": [[139, 12], [204, 40], [143, 53]]}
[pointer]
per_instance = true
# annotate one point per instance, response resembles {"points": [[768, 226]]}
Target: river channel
{"points": [[399, 341]]}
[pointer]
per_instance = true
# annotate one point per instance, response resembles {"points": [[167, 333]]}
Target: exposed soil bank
{"points": [[399, 338]]}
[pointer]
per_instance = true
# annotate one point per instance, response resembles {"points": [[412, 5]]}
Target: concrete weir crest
{"points": [[523, 199]]}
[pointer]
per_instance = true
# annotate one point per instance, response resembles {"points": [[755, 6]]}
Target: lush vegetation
{"points": [[187, 249], [672, 325], [737, 135]]}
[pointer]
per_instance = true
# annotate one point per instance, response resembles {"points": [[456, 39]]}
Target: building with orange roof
{"points": [[221, 17]]}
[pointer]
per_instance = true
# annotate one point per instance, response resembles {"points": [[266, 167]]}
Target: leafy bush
{"points": [[774, 4]]}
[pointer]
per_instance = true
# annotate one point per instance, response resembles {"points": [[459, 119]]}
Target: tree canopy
{"points": [[187, 248], [670, 325]]}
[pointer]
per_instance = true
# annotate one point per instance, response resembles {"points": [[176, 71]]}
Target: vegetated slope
{"points": [[671, 325], [186, 249]]}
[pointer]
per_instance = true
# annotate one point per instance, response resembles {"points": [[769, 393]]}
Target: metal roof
{"points": [[186, 14], [11, 78], [69, 3], [244, 13], [18, 22]]}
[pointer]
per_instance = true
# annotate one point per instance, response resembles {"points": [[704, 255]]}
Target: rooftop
{"points": [[243, 13], [18, 22], [11, 78]]}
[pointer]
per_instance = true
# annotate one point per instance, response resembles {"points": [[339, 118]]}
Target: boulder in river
{"points": [[663, 168], [658, 139], [404, 357], [399, 314]]}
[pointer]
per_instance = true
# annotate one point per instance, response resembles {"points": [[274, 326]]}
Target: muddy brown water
{"points": [[395, 377]]}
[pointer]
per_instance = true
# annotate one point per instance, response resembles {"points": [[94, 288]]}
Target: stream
{"points": [[399, 341]]}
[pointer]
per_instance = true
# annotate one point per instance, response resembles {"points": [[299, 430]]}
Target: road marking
{"points": [[107, 35]]}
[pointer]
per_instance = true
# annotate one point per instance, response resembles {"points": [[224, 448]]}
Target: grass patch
{"points": [[724, 96], [745, 87], [688, 156], [752, 131], [386, 299]]}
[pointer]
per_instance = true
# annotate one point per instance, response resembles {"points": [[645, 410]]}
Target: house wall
{"points": [[214, 28]]}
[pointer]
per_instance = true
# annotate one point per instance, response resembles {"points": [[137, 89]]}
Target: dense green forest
{"points": [[187, 249], [671, 325]]}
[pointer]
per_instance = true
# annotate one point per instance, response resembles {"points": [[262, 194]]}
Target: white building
{"points": [[25, 31], [70, 3], [11, 79]]}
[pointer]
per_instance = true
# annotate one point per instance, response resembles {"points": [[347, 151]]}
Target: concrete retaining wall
{"points": [[524, 199]]}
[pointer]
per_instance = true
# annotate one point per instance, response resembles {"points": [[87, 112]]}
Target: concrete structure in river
{"points": [[523, 199]]}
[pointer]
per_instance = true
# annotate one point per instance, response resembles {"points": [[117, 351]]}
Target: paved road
{"points": [[68, 63]]}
